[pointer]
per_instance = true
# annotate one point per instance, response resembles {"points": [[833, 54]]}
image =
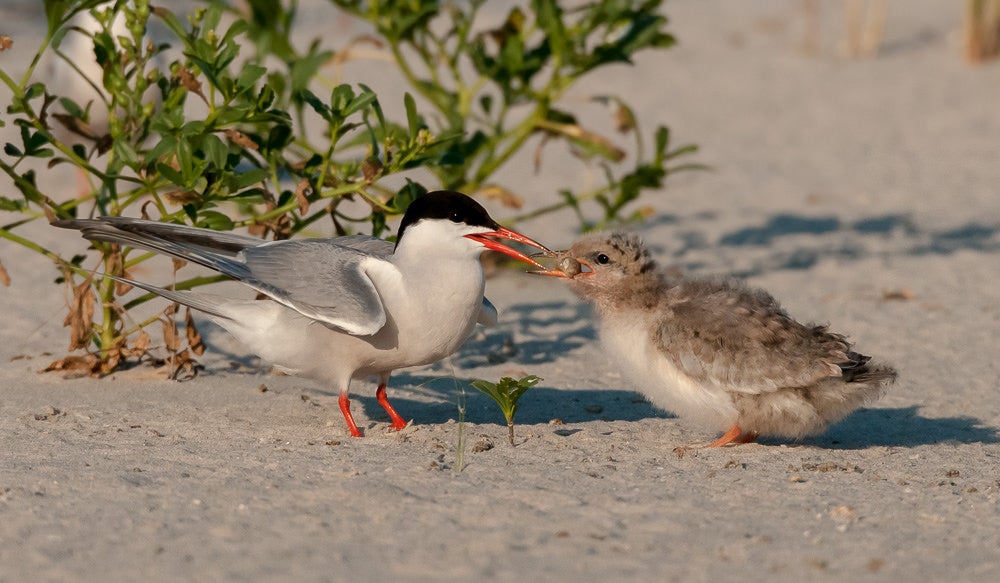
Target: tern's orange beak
{"points": [[505, 233]]}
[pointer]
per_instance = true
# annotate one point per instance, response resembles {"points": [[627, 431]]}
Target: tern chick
{"points": [[343, 307], [717, 352]]}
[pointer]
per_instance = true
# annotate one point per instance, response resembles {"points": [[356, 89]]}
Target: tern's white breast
{"points": [[432, 307], [629, 342]]}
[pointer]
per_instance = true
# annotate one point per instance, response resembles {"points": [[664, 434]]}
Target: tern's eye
{"points": [[455, 217], [603, 259]]}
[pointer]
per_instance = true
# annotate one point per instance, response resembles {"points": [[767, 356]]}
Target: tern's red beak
{"points": [[505, 233]]}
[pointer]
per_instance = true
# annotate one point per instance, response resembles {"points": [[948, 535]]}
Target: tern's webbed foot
{"points": [[345, 408], [398, 422]]}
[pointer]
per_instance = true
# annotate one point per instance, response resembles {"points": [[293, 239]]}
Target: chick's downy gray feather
{"points": [[719, 352]]}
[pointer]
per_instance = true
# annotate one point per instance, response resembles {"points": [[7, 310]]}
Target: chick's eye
{"points": [[603, 259]]}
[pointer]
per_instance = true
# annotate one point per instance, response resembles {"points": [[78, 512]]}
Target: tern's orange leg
{"points": [[397, 421], [345, 408]]}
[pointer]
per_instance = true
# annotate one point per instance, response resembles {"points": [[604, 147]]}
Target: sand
{"points": [[837, 184]]}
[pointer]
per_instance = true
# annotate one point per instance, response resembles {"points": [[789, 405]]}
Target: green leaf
{"points": [[375, 105], [305, 68], [410, 192], [486, 102], [360, 102], [550, 20], [162, 148], [249, 76], [216, 151], [662, 141], [507, 392], [279, 137], [192, 128], [171, 21], [72, 108], [34, 90], [124, 151], [317, 105], [214, 220], [245, 179], [412, 117], [170, 174], [7, 204], [341, 96]]}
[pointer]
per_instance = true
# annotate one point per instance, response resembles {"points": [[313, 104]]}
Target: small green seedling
{"points": [[506, 393]]}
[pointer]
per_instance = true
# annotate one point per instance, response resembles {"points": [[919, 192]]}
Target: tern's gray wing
{"points": [[163, 237], [319, 278], [316, 277], [743, 341], [366, 244]]}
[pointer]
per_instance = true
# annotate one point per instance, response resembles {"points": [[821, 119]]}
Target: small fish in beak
{"points": [[566, 266]]}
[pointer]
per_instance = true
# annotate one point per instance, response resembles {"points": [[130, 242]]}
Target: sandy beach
{"points": [[863, 193]]}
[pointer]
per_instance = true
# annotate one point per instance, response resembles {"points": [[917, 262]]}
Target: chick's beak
{"points": [[561, 272], [505, 233], [567, 268], [551, 273]]}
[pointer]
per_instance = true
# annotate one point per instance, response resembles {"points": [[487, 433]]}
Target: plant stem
{"points": [[179, 286], [516, 138], [510, 430], [460, 446], [4, 233], [109, 317]]}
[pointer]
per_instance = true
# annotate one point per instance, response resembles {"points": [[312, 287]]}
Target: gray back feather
{"points": [[742, 339]]}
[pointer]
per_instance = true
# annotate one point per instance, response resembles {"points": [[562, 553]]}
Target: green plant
{"points": [[242, 158], [496, 89], [234, 130], [506, 393]]}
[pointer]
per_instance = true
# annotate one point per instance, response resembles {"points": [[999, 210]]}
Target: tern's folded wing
{"points": [[366, 244], [320, 279]]}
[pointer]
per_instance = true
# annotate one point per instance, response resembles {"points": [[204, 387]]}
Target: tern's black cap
{"points": [[446, 204]]}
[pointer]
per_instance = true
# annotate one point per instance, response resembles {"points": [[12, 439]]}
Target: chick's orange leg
{"points": [[345, 408], [732, 436], [397, 421]]}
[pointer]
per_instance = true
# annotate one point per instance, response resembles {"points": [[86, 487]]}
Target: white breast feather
{"points": [[629, 344]]}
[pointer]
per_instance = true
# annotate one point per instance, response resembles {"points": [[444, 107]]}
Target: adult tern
{"points": [[344, 307]]}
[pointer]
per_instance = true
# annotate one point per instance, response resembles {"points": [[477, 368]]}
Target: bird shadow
{"points": [[533, 333], [539, 405], [886, 427], [902, 427]]}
